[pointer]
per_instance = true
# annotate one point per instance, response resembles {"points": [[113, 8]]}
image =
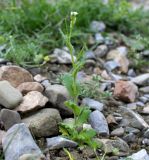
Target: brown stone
{"points": [[15, 75], [30, 86], [32, 101], [125, 91]]}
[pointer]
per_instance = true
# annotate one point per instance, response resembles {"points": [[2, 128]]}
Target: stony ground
{"points": [[32, 104]]}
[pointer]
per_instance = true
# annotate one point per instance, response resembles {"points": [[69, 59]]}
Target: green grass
{"points": [[34, 27]]}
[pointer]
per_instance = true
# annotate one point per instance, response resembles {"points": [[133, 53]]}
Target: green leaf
{"points": [[75, 108]]}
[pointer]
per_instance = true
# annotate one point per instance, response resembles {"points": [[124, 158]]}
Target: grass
{"points": [[31, 30]]}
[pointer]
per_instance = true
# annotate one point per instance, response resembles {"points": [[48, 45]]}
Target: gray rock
{"points": [[117, 132], [60, 142], [97, 26], [146, 133], [141, 79], [131, 73], [90, 55], [143, 99], [132, 130], [101, 51], [145, 141], [93, 104], [111, 65], [46, 83], [145, 53], [44, 123], [140, 122], [57, 95], [123, 50], [18, 141], [9, 96], [9, 118], [144, 89], [141, 155], [61, 56], [99, 123], [129, 138], [99, 38]]}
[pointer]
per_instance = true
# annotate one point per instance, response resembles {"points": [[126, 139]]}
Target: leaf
{"points": [[75, 108]]}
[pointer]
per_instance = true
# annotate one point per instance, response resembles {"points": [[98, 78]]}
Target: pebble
{"points": [[140, 155]]}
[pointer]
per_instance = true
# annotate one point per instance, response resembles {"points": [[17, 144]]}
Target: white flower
{"points": [[74, 13]]}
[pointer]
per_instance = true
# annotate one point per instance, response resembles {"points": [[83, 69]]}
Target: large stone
{"points": [[15, 75], [99, 123], [109, 145], [32, 101], [18, 141], [9, 118], [141, 155], [93, 104], [44, 123], [61, 56], [60, 142], [125, 91], [30, 86], [57, 95], [141, 79], [9, 96]]}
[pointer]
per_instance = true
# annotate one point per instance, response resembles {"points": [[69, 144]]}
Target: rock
{"points": [[44, 123], [101, 51], [140, 123], [119, 56], [93, 104], [117, 132], [111, 65], [57, 95], [32, 101], [99, 123], [145, 53], [146, 133], [18, 141], [141, 79], [31, 157], [110, 145], [30, 86], [2, 134], [125, 91], [145, 110], [141, 155], [145, 142], [131, 73], [144, 89], [60, 142], [61, 56], [46, 83], [39, 78], [15, 75], [9, 96], [132, 106], [122, 50], [99, 38], [143, 99], [111, 119], [97, 26], [130, 138], [9, 118], [90, 55], [132, 130]]}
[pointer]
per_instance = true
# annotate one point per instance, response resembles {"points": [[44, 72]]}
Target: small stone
{"points": [[141, 79], [39, 78], [99, 38], [144, 99], [129, 138], [146, 133], [131, 73], [31, 157], [99, 123], [125, 91], [111, 119], [60, 142], [9, 96], [46, 83], [44, 122], [145, 53], [9, 118], [132, 130], [144, 89], [118, 132], [145, 141], [32, 101], [101, 51], [93, 104], [18, 141], [122, 50], [57, 95], [30, 86], [61, 56], [111, 65], [145, 110], [132, 106], [15, 75], [2, 134], [141, 155], [97, 26], [90, 55]]}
